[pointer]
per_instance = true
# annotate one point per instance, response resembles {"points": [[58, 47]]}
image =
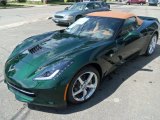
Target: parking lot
{"points": [[132, 92]]}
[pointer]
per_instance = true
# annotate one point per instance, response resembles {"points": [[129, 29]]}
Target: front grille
{"points": [[35, 49], [58, 16], [26, 92]]}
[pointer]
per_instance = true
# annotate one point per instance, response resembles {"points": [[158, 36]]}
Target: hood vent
{"points": [[35, 49]]}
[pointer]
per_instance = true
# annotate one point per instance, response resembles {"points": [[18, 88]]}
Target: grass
{"points": [[60, 3], [9, 6], [30, 4]]}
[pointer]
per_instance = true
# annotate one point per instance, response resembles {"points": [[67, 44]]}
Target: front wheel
{"points": [[83, 85], [152, 45]]}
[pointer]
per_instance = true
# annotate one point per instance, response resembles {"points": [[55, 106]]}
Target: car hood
{"points": [[39, 51], [67, 12]]}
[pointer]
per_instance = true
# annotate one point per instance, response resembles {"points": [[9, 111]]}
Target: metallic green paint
{"points": [[22, 66]]}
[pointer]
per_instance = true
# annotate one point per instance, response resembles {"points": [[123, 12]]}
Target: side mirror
{"points": [[66, 8]]}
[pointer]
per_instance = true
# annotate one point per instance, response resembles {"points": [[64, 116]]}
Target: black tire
{"points": [[148, 48], [70, 97], [128, 3]]}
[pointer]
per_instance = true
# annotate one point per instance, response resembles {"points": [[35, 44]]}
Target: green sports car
{"points": [[66, 66]]}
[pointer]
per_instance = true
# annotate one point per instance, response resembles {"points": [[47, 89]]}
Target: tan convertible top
{"points": [[115, 14]]}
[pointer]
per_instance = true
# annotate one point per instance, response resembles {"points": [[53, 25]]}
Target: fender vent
{"points": [[35, 49]]}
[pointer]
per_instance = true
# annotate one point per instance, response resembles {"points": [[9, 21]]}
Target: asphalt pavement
{"points": [[132, 92]]}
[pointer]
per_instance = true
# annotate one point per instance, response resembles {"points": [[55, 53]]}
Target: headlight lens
{"points": [[69, 17], [53, 71]]}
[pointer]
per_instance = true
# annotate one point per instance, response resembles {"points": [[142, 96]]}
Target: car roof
{"points": [[115, 14]]}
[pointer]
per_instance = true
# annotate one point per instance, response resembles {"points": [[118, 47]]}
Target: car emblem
{"points": [[11, 68]]}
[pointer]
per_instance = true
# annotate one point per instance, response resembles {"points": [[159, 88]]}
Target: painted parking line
{"points": [[20, 23]]}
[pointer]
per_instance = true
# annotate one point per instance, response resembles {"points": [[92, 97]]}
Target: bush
{"points": [[22, 0], [3, 2]]}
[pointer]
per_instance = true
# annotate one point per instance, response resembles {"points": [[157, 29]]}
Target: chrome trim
{"points": [[30, 93]]}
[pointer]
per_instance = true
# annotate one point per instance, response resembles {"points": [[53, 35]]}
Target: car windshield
{"points": [[95, 27], [77, 6], [153, 0]]}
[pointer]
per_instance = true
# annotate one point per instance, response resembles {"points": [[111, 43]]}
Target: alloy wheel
{"points": [[85, 86], [152, 44]]}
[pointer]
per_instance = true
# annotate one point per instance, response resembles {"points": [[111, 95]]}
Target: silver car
{"points": [[78, 10]]}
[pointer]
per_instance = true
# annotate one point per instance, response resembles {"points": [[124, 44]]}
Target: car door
{"points": [[129, 40]]}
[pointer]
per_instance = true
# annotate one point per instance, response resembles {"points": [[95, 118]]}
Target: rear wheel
{"points": [[152, 45], [83, 85]]}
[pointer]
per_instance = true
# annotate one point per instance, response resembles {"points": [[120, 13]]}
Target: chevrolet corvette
{"points": [[67, 66]]}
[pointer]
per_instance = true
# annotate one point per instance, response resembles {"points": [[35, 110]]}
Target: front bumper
{"points": [[154, 4], [62, 21], [53, 97]]}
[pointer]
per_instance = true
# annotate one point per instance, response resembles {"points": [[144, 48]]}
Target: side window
{"points": [[104, 4], [129, 25], [97, 5], [90, 6]]}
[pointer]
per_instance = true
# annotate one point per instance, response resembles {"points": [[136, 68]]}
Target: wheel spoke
{"points": [[81, 81], [78, 92], [91, 86], [89, 78], [84, 94], [151, 49]]}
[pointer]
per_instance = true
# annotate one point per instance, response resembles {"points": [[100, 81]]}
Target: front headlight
{"points": [[53, 71], [69, 17]]}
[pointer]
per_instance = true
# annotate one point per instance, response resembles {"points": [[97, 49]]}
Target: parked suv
{"points": [[141, 2], [3, 2]]}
